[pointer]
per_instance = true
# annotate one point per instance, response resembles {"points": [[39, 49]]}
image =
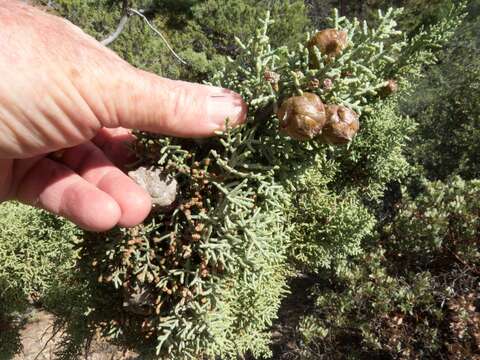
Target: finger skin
{"points": [[60, 86], [56, 188], [59, 89], [148, 102], [6, 167], [115, 144], [91, 164]]}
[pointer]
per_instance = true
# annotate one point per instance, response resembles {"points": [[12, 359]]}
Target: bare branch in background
{"points": [[343, 7], [111, 38], [136, 12], [127, 12], [121, 25]]}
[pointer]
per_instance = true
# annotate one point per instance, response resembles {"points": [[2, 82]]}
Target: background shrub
{"points": [[37, 256], [414, 293]]}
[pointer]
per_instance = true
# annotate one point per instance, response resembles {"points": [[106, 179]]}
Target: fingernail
{"points": [[224, 104]]}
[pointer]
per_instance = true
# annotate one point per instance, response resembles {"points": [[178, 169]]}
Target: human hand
{"points": [[61, 89]]}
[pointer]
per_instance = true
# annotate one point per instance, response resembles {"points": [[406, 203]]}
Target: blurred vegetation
{"points": [[414, 293], [37, 258], [201, 31], [446, 107]]}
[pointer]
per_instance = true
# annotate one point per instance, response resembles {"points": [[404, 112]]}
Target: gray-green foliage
{"points": [[203, 294], [328, 227], [357, 74], [32, 242], [214, 268], [206, 277], [376, 158], [346, 178], [339, 196], [444, 216]]}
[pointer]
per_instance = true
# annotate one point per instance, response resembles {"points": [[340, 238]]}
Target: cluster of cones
{"points": [[306, 117]]}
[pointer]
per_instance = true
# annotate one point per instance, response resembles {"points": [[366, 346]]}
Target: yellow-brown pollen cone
{"points": [[341, 126], [302, 117]]}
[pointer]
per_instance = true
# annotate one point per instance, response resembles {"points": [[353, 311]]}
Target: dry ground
{"points": [[38, 341]]}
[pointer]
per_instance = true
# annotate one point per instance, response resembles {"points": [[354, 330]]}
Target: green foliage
{"points": [[370, 314], [414, 296], [357, 74], [377, 157], [206, 277], [223, 20], [328, 227], [448, 104], [324, 176], [418, 13], [442, 220], [337, 199], [196, 289], [32, 243]]}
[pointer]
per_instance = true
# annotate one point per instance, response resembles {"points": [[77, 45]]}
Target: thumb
{"points": [[145, 101]]}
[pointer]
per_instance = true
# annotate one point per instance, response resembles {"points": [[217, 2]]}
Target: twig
{"points": [[127, 12], [111, 38], [55, 332], [121, 25], [136, 12], [455, 255]]}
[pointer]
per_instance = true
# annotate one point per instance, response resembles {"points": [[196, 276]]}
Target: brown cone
{"points": [[389, 89], [341, 126], [302, 117], [330, 42]]}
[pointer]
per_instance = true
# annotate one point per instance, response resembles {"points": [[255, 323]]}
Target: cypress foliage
{"points": [[448, 104], [205, 278]]}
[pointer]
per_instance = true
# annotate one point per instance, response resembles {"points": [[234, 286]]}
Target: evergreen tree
{"points": [[413, 293]]}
